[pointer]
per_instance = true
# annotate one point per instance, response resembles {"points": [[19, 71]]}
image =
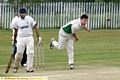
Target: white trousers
{"points": [[68, 41], [23, 42]]}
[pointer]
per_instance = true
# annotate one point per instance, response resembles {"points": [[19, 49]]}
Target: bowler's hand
{"points": [[89, 29], [76, 39]]}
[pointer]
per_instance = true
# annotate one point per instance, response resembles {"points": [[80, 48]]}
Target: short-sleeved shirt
{"points": [[72, 27], [12, 23], [24, 26]]}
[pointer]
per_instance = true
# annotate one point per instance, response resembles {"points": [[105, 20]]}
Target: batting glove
{"points": [[39, 40], [14, 43]]}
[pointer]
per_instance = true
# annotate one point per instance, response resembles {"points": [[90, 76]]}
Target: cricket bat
{"points": [[9, 64], [10, 61]]}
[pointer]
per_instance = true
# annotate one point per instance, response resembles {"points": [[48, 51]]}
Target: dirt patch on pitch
{"points": [[79, 73]]}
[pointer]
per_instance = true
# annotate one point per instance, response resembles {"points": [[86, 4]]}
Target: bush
{"points": [[1, 27]]}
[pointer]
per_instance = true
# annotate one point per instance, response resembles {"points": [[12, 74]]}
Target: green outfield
{"points": [[97, 52]]}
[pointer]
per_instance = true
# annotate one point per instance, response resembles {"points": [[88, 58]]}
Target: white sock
{"points": [[55, 43]]}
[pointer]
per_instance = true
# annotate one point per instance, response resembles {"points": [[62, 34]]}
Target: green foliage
{"points": [[1, 27]]}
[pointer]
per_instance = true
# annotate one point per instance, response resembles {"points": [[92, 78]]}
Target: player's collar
{"points": [[21, 18]]}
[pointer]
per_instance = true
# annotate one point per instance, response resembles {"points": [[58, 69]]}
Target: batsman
{"points": [[23, 31], [24, 59]]}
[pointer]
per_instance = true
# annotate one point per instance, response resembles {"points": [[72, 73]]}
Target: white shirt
{"points": [[72, 27], [12, 23], [24, 26]]}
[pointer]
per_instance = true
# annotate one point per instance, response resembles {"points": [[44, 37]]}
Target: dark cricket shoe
{"points": [[15, 69], [72, 66], [51, 45], [30, 70]]}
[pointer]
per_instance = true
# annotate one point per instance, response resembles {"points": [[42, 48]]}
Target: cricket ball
{"points": [[108, 19]]}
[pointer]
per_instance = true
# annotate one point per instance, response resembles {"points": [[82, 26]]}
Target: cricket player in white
{"points": [[67, 34], [23, 31], [23, 62]]}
